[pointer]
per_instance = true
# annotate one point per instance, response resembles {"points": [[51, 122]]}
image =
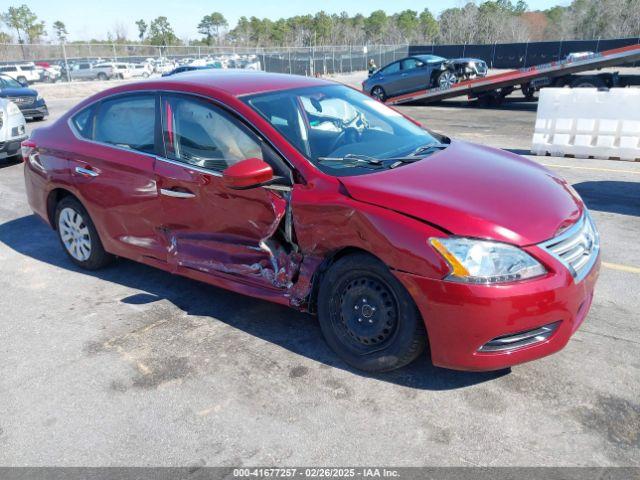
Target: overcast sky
{"points": [[87, 19]]}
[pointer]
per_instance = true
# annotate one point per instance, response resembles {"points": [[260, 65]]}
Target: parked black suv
{"points": [[29, 101]]}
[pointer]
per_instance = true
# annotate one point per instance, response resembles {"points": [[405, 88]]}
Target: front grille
{"points": [[22, 101], [519, 340], [481, 68], [577, 248]]}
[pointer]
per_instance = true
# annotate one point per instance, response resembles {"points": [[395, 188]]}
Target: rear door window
{"points": [[127, 122]]}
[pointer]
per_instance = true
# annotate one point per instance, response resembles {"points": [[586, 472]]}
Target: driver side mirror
{"points": [[24, 83], [249, 173]]}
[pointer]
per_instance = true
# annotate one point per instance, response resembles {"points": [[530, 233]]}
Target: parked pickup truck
{"points": [[88, 71], [121, 70]]}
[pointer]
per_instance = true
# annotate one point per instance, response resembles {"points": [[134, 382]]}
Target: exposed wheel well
{"points": [[322, 269], [55, 196]]}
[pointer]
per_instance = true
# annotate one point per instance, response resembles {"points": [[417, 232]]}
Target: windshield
{"points": [[342, 131], [8, 82]]}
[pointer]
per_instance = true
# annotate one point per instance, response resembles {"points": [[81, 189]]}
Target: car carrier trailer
{"points": [[494, 88]]}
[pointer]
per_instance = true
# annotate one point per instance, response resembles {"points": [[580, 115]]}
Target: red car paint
{"points": [[227, 237]]}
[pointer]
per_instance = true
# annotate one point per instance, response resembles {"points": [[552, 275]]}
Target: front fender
{"points": [[329, 221]]}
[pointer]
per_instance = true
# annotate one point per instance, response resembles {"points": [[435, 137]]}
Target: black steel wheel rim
{"points": [[364, 313]]}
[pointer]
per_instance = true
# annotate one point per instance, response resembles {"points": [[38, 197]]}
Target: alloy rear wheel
{"points": [[74, 234], [379, 94], [78, 235]]}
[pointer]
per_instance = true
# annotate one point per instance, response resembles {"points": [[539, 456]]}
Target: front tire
{"points": [[367, 317], [447, 79], [78, 236], [102, 76]]}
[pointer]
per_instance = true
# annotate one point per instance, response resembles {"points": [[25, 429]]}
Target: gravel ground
{"points": [[133, 366]]}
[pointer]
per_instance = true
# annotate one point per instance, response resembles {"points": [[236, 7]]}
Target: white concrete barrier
{"points": [[585, 123]]}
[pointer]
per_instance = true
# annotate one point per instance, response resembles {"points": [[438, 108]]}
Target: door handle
{"points": [[86, 172], [176, 193]]}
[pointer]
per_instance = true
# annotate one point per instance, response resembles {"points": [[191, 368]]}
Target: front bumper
{"points": [[462, 318], [11, 147], [34, 111], [12, 132]]}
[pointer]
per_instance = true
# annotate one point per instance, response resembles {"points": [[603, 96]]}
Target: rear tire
{"points": [[102, 76], [588, 82], [78, 236], [529, 92], [367, 316], [378, 93]]}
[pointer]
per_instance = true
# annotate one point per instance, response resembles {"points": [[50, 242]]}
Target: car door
{"points": [[113, 170], [390, 79], [414, 75], [212, 228]]}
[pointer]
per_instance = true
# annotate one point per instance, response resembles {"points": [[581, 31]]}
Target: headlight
{"points": [[12, 109], [480, 261], [39, 98]]}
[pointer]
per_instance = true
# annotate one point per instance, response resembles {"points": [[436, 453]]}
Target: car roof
{"points": [[241, 82], [426, 56]]}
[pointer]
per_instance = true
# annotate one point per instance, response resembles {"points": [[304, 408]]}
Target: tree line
{"points": [[490, 21]]}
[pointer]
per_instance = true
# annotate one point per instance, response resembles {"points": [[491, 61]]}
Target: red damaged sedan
{"points": [[310, 194]]}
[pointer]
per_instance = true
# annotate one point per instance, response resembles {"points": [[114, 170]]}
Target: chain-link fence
{"points": [[297, 60]]}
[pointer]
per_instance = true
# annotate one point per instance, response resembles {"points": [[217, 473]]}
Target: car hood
{"points": [[475, 191], [18, 92]]}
